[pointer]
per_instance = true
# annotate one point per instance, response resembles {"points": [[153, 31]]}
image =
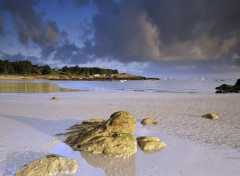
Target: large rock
{"points": [[109, 143], [224, 88], [111, 137], [210, 116], [148, 121], [121, 122], [150, 143], [54, 166]]}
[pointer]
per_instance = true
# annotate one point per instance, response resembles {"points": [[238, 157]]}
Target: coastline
{"points": [[29, 123], [117, 77]]}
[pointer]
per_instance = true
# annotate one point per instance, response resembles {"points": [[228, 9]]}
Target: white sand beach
{"points": [[196, 146]]}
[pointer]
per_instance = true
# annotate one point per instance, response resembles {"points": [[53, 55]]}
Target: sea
{"points": [[169, 86], [164, 85]]}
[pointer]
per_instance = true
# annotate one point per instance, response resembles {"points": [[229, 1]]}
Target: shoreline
{"points": [[75, 78], [29, 123]]}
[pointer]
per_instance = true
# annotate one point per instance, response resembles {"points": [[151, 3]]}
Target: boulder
{"points": [[121, 122], [237, 84], [109, 143], [210, 116], [55, 98], [148, 121], [54, 166], [111, 137], [150, 143], [224, 88]]}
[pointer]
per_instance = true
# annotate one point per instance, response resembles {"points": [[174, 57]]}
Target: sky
{"points": [[154, 38]]}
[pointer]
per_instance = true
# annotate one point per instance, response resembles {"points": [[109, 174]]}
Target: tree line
{"points": [[26, 67]]}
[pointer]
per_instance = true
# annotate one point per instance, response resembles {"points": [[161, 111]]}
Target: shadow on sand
{"points": [[112, 165], [49, 127]]}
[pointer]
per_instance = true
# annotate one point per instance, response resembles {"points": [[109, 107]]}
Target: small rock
{"points": [[210, 116], [148, 121], [55, 98], [150, 143], [54, 166]]}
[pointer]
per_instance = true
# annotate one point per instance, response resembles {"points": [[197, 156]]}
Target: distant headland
{"points": [[26, 70]]}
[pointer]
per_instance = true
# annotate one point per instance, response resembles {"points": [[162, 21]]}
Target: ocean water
{"points": [[170, 86]]}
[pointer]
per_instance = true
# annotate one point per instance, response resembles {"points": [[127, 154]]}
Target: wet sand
{"points": [[31, 87], [196, 146]]}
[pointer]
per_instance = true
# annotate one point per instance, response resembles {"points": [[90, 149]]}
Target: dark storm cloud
{"points": [[237, 62], [168, 30], [81, 3], [17, 57], [30, 24], [197, 30], [68, 53], [175, 33], [122, 31], [192, 69], [1, 27], [77, 3]]}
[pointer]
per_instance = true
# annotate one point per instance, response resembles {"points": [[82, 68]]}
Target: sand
{"points": [[196, 146]]}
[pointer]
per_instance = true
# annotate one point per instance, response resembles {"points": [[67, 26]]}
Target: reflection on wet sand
{"points": [[31, 87], [113, 165]]}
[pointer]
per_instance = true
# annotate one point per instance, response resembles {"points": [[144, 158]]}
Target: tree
{"points": [[46, 69], [65, 69], [6, 67]]}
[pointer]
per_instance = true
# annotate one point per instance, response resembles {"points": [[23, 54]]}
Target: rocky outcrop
{"points": [[150, 143], [148, 121], [210, 116], [111, 137], [54, 166], [224, 88]]}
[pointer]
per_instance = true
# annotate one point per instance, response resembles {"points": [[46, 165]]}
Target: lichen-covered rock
{"points": [[111, 137], [54, 166], [55, 98], [148, 121], [121, 122], [110, 143], [93, 121], [210, 116], [150, 143]]}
